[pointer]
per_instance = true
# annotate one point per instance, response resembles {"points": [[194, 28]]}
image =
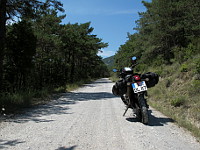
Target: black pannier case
{"points": [[153, 79], [119, 88]]}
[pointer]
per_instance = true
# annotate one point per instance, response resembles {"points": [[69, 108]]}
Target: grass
{"points": [[23, 99], [177, 101], [177, 95], [74, 86]]}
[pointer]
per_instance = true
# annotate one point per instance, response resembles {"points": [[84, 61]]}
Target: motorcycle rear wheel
{"points": [[144, 116]]}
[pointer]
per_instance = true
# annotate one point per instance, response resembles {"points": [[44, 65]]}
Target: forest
{"points": [[168, 31], [38, 52], [167, 41]]}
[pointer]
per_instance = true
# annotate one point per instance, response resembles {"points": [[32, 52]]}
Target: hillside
{"points": [[177, 94], [109, 61]]}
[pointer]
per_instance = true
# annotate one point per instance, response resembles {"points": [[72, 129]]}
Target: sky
{"points": [[111, 19]]}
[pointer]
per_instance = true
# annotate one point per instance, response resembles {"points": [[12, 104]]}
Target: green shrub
{"points": [[177, 102], [42, 93], [141, 68], [184, 68], [197, 64], [190, 51], [167, 83], [61, 89], [179, 54], [159, 72], [194, 88], [17, 99]]}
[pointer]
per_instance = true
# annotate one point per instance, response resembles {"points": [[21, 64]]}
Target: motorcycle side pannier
{"points": [[153, 79], [119, 88]]}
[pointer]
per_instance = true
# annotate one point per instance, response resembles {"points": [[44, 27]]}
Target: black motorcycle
{"points": [[132, 88]]}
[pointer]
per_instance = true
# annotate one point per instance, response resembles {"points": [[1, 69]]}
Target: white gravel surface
{"points": [[90, 118]]}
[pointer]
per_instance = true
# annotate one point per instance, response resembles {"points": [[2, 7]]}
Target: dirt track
{"points": [[90, 118]]}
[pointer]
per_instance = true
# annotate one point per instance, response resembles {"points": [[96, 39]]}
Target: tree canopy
{"points": [[168, 30], [39, 51]]}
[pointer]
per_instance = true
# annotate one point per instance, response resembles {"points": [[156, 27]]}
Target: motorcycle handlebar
{"points": [[133, 65]]}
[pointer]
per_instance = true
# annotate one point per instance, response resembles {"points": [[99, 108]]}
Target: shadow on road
{"points": [[60, 105], [65, 148], [81, 96], [158, 121], [34, 114], [153, 120], [6, 143]]}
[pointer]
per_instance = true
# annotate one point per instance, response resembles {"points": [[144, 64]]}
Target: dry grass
{"points": [[177, 95]]}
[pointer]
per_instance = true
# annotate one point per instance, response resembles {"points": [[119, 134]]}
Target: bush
{"points": [[177, 102], [184, 68], [167, 83], [159, 72], [179, 54], [197, 64], [141, 68], [43, 93], [21, 99], [190, 51], [195, 88]]}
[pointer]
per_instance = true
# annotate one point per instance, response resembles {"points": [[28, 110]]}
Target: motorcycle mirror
{"points": [[134, 58], [114, 70]]}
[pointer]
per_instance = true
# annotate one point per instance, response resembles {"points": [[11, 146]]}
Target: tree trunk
{"points": [[2, 37], [72, 70]]}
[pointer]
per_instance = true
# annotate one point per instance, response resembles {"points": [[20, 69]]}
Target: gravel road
{"points": [[90, 118]]}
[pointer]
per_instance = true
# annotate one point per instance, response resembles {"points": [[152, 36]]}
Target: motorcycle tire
{"points": [[138, 113], [144, 116]]}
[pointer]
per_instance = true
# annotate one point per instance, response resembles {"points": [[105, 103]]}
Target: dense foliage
{"points": [[167, 32], [13, 9], [38, 51]]}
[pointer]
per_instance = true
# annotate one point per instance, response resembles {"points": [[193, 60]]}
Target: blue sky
{"points": [[111, 19]]}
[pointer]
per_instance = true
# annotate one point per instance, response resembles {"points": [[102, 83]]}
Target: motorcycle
{"points": [[132, 88]]}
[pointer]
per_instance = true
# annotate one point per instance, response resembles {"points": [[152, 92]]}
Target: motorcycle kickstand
{"points": [[127, 107]]}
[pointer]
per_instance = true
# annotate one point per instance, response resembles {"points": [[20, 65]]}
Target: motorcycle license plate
{"points": [[139, 87]]}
